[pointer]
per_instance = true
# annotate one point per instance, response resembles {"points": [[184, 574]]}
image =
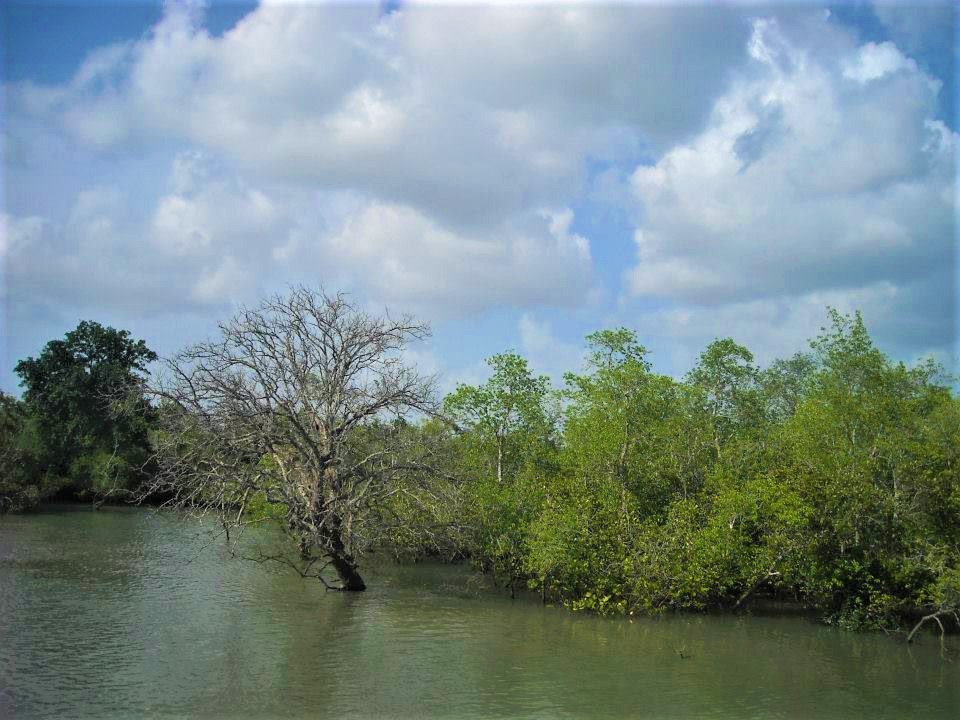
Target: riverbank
{"points": [[760, 604]]}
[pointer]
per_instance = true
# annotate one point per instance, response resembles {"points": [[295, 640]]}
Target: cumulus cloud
{"points": [[204, 217], [431, 159], [372, 170], [875, 61], [817, 176], [411, 107], [402, 257], [200, 242], [211, 238]]}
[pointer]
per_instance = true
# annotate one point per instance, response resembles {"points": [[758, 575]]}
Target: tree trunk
{"points": [[346, 568], [341, 558], [499, 462]]}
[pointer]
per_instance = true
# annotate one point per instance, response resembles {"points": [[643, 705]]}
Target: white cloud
{"points": [[178, 253], [208, 214], [214, 238], [815, 174], [874, 61], [403, 258], [410, 108], [770, 328], [18, 234], [227, 279], [179, 226]]}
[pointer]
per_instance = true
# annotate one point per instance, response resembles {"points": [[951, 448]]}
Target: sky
{"points": [[519, 175]]}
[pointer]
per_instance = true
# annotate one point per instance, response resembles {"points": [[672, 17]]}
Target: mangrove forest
{"points": [[828, 479]]}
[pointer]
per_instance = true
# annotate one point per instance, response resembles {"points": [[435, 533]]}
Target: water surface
{"points": [[129, 613]]}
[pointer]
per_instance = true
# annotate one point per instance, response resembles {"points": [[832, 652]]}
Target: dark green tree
{"points": [[84, 396], [20, 482]]}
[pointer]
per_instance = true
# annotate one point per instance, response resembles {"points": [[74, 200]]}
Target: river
{"points": [[132, 613]]}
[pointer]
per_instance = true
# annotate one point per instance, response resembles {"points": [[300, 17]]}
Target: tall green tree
{"points": [[831, 477], [785, 383], [506, 447], [73, 394], [727, 378], [627, 423], [507, 417]]}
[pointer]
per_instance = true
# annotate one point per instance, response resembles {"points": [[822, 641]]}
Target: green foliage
{"points": [[23, 481], [624, 422], [85, 421], [506, 446], [508, 418], [577, 544], [731, 397], [860, 449], [830, 477]]}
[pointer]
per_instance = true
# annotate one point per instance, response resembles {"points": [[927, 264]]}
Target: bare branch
{"points": [[287, 415]]}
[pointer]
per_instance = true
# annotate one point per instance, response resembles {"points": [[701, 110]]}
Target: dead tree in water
{"points": [[289, 413]]}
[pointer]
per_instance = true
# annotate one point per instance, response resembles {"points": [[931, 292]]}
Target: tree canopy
{"points": [[829, 478], [71, 433]]}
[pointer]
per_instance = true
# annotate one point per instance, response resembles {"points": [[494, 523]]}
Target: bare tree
{"points": [[296, 408]]}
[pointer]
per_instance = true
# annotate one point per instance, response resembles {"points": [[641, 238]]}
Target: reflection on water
{"points": [[126, 613]]}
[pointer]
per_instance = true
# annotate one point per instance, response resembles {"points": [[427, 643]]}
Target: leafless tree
{"points": [[295, 410]]}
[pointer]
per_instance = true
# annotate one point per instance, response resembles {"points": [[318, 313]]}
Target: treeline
{"points": [[829, 478]]}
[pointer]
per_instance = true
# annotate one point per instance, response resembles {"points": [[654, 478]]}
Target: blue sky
{"points": [[519, 176]]}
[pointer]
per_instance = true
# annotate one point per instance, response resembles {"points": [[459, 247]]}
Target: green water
{"points": [[127, 613]]}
